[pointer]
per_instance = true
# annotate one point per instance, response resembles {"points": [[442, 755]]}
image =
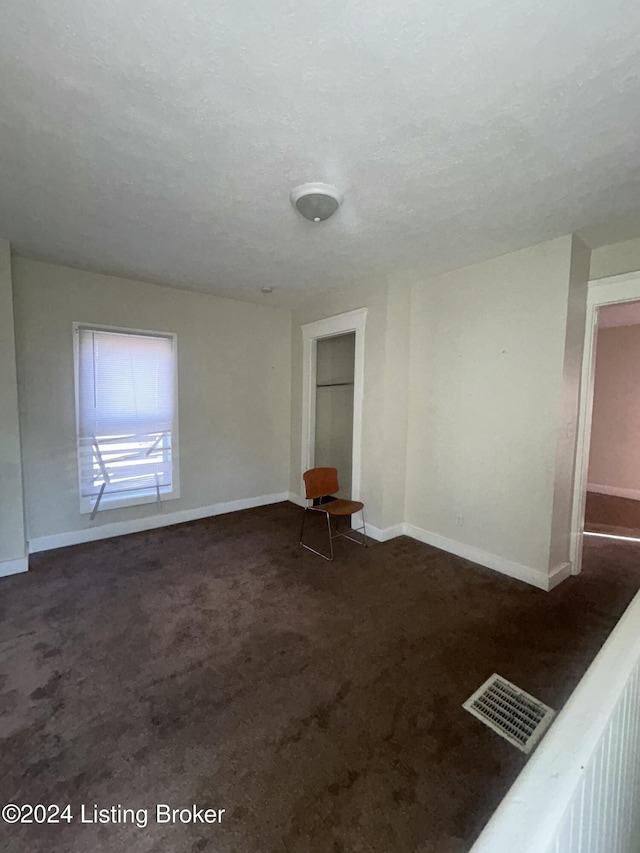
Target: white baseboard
{"points": [[558, 574], [616, 491], [137, 525], [383, 534], [106, 531], [13, 567], [535, 577], [296, 499]]}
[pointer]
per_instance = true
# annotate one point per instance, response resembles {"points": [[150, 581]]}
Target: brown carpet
{"points": [[612, 514], [218, 663]]}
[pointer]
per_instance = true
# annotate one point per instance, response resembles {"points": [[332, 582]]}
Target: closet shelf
{"points": [[332, 384]]}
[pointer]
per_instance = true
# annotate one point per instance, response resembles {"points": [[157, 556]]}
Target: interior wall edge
{"points": [[12, 514], [13, 567], [296, 499], [558, 574], [384, 534]]}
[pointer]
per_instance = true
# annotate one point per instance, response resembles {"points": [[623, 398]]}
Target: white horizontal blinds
{"points": [[125, 389]]}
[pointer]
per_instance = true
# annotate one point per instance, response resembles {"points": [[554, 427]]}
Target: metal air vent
{"points": [[519, 717]]}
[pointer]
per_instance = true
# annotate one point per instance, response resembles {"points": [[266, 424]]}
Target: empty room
{"points": [[303, 312]]}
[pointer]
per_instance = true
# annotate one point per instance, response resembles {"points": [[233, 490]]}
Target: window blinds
{"points": [[125, 412]]}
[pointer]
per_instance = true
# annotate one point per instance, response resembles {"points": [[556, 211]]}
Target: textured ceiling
{"points": [[160, 139]]}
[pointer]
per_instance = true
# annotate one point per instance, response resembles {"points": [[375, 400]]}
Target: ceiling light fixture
{"points": [[266, 289], [316, 201]]}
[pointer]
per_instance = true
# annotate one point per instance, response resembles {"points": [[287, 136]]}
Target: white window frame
{"points": [[143, 496]]}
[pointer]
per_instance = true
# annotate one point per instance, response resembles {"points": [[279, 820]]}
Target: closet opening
{"points": [[333, 444], [332, 399]]}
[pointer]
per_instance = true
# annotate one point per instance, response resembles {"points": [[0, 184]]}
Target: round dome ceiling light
{"points": [[316, 201]]}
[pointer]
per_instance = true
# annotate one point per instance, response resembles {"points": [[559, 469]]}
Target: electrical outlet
{"points": [[460, 520]]}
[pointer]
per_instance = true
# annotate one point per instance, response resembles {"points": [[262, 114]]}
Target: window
{"points": [[126, 413]]}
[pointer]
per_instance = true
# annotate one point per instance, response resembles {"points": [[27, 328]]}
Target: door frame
{"points": [[340, 324], [604, 291]]}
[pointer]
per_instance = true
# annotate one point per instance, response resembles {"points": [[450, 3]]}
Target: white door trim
{"points": [[603, 291], [351, 321]]}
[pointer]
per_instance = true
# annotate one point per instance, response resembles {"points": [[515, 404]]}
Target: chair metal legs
{"points": [[308, 547], [357, 530], [331, 536]]}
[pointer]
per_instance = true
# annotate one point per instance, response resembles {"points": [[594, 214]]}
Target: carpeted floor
{"points": [[217, 663], [612, 514]]}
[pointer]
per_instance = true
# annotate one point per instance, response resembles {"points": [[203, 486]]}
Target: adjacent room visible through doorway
{"points": [[613, 491]]}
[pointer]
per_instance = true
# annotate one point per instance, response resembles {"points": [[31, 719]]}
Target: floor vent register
{"points": [[515, 715]]}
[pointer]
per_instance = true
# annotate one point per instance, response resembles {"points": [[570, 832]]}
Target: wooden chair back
{"points": [[319, 482]]}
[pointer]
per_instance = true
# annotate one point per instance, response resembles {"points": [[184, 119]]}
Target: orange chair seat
{"points": [[340, 507]]}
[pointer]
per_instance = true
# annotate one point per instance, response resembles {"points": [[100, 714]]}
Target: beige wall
{"points": [[233, 381], [614, 455], [615, 259], [394, 413], [12, 532], [492, 384]]}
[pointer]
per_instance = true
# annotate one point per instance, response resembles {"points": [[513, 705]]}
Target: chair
{"points": [[321, 483]]}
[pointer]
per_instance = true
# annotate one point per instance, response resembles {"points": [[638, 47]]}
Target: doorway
{"points": [[335, 363], [620, 293], [613, 474], [317, 445]]}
